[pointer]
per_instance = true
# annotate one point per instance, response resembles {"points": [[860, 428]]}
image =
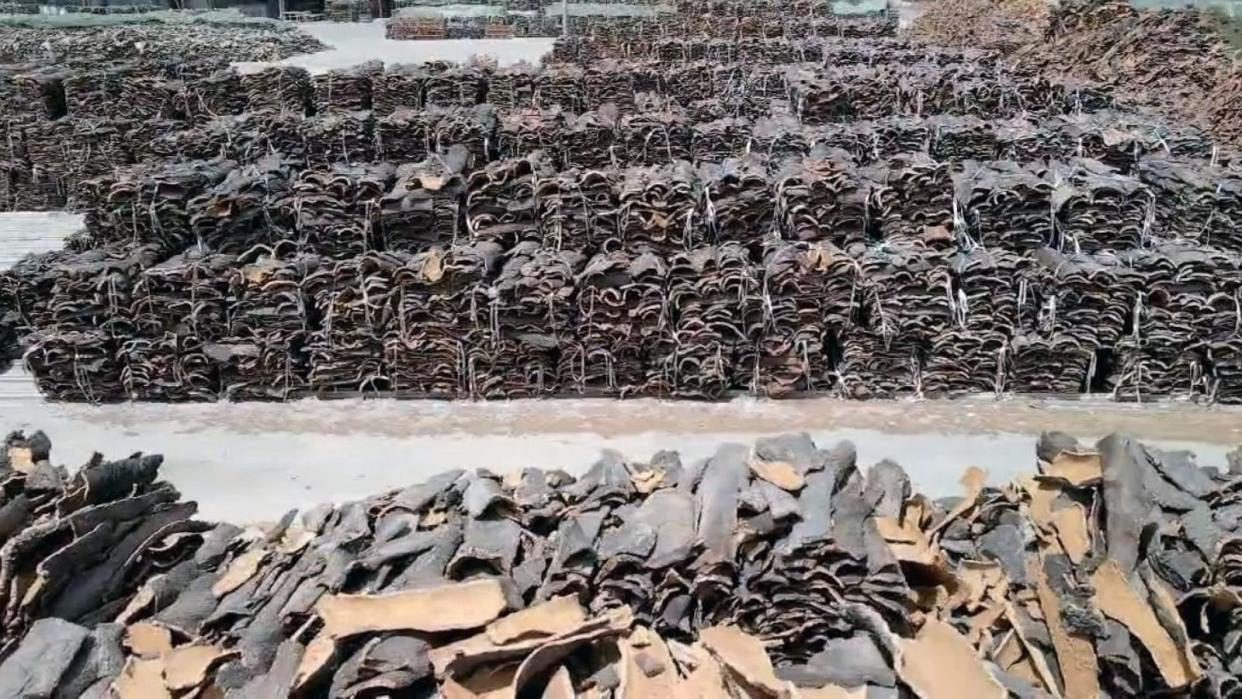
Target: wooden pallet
{"points": [[292, 16], [498, 31], [414, 28]]}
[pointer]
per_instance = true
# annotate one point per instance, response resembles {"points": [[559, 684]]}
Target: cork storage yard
{"points": [[714, 348]]}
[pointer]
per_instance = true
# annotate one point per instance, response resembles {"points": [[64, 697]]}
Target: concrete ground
{"points": [[27, 233], [353, 43], [253, 461]]}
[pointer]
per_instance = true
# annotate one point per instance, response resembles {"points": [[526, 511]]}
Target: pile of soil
{"points": [[1178, 62], [1003, 25]]}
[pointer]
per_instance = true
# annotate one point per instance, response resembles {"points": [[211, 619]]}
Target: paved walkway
{"points": [[255, 460], [24, 233], [356, 42]]}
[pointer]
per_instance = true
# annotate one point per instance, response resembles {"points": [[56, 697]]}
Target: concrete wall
{"points": [[250, 8]]}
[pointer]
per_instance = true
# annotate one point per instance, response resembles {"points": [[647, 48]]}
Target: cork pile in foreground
{"points": [[773, 570]]}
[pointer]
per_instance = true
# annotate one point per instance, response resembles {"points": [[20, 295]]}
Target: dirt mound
{"points": [[1168, 59], [1003, 25], [1178, 62]]}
